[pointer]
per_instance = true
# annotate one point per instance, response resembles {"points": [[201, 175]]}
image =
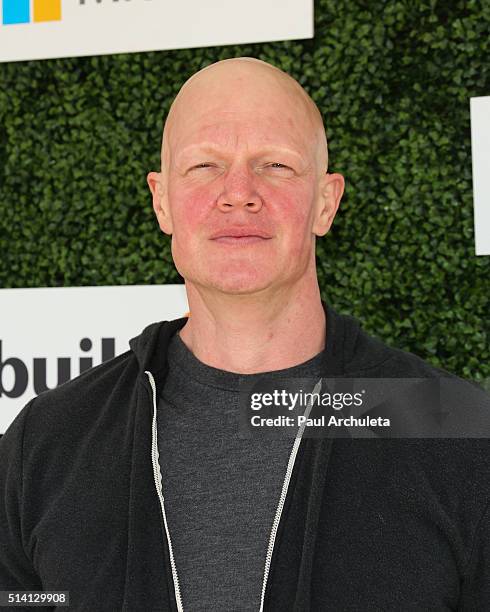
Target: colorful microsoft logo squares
{"points": [[19, 11]]}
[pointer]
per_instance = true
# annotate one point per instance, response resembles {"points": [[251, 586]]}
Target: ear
{"points": [[160, 201], [330, 191]]}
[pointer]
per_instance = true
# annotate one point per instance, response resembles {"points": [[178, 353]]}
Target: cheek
{"points": [[292, 209], [190, 209]]}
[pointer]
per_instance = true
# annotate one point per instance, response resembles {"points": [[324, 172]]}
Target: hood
{"points": [[155, 335]]}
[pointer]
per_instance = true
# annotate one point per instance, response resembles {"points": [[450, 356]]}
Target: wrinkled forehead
{"points": [[256, 109], [232, 130]]}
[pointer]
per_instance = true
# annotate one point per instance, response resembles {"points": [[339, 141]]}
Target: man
{"points": [[130, 487]]}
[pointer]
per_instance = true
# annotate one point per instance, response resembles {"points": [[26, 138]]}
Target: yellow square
{"points": [[47, 10]]}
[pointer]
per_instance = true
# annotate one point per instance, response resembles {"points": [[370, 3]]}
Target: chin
{"points": [[230, 277], [238, 287], [236, 284]]}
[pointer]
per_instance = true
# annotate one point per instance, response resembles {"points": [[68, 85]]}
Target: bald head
{"points": [[244, 148], [238, 84]]}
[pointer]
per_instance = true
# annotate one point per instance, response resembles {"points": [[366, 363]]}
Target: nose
{"points": [[239, 189]]}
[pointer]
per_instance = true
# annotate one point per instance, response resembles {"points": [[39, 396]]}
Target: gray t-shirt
{"points": [[221, 491]]}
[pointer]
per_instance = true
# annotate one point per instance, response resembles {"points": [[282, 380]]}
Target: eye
{"points": [[202, 165], [279, 168], [279, 165]]}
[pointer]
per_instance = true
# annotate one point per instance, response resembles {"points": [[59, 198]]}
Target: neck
{"points": [[255, 333]]}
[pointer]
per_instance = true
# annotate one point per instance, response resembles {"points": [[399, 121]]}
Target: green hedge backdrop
{"points": [[393, 81]]}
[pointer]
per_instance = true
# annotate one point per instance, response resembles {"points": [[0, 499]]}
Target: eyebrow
{"points": [[209, 147]]}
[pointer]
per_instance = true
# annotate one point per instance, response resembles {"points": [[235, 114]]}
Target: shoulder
{"points": [[368, 353], [467, 403], [366, 356], [73, 407]]}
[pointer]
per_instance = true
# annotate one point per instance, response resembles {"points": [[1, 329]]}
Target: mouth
{"points": [[239, 240]]}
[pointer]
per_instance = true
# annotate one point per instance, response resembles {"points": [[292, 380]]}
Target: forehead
{"points": [[240, 106], [239, 128]]}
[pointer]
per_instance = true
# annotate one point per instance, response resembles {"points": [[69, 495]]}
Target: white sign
{"points": [[40, 29], [480, 151], [51, 335]]}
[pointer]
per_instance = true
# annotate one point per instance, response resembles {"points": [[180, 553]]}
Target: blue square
{"points": [[15, 11]]}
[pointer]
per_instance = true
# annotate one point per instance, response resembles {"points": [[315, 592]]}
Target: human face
{"points": [[243, 160]]}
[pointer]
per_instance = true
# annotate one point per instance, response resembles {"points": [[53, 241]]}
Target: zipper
{"points": [[282, 498], [157, 476]]}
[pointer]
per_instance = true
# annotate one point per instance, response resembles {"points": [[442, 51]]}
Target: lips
{"points": [[241, 232], [239, 240]]}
